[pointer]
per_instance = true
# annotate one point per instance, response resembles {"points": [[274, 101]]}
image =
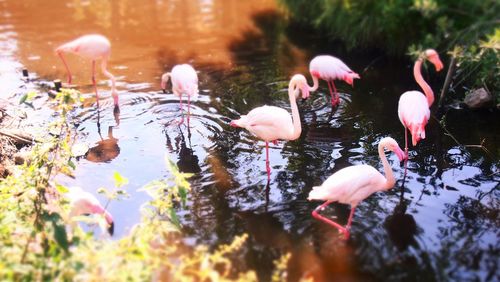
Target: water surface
{"points": [[440, 223]]}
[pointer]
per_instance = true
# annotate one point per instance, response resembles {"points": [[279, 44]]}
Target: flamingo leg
{"points": [[337, 99], [341, 228], [94, 83], [182, 114], [189, 109], [268, 168], [66, 66], [331, 93], [406, 144]]}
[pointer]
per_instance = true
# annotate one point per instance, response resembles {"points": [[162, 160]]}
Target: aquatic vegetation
{"points": [[36, 243]]}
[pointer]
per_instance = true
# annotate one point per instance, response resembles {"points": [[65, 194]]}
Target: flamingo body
{"points": [[329, 68], [271, 123], [184, 81], [414, 113], [90, 46], [349, 185], [93, 47], [353, 184], [82, 203], [268, 123]]}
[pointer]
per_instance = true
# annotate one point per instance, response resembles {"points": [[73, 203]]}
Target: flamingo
{"points": [[330, 68], [353, 184], [413, 108], [94, 47], [184, 81], [82, 203], [271, 123]]}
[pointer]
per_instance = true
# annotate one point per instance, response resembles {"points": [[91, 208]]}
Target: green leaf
{"points": [[119, 179], [174, 218], [23, 99], [61, 189], [71, 164]]}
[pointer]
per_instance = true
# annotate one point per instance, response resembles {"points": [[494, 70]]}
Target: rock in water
{"points": [[478, 98]]}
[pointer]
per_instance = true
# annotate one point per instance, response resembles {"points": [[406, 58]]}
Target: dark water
{"points": [[441, 224]]}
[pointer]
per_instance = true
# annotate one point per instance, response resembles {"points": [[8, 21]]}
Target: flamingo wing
{"points": [[329, 68], [269, 123], [349, 185]]}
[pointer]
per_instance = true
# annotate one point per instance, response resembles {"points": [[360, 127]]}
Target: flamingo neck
{"points": [[315, 84], [390, 180], [111, 77], [297, 129], [417, 72]]}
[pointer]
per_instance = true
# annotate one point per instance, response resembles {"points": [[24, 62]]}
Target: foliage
{"points": [[395, 26], [37, 244]]}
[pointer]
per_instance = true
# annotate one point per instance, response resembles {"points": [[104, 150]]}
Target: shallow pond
{"points": [[440, 223]]}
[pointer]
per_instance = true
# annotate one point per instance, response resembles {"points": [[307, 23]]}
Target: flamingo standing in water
{"points": [[353, 184], [413, 108], [82, 203], [184, 81], [271, 123], [94, 47], [330, 68]]}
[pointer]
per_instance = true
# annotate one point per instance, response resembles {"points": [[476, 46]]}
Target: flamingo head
{"points": [[391, 145], [164, 80], [349, 78], [299, 84], [242, 122], [433, 57]]}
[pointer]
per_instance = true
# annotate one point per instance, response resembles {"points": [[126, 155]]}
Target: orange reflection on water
{"points": [[147, 37]]}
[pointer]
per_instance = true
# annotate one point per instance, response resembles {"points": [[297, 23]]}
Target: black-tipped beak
{"points": [[111, 228], [164, 91]]}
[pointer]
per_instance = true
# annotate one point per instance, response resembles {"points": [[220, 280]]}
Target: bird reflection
{"points": [[106, 149], [401, 226], [188, 161]]}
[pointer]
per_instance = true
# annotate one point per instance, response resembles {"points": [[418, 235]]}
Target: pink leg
{"points": [[189, 108], [268, 168], [66, 66], [341, 228], [331, 93], [182, 114], [93, 82], [406, 144], [337, 99]]}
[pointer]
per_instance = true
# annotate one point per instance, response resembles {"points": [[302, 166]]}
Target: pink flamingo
{"points": [[353, 184], [271, 123], [184, 81], [94, 47], [83, 203], [330, 68], [413, 108]]}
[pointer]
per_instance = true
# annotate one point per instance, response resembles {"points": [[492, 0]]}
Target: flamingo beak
{"points": [[233, 124], [305, 92], [439, 65], [401, 155], [111, 228]]}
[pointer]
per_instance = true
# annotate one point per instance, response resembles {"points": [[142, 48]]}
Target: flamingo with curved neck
{"points": [[353, 184], [330, 68], [413, 107], [94, 47], [271, 123]]}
